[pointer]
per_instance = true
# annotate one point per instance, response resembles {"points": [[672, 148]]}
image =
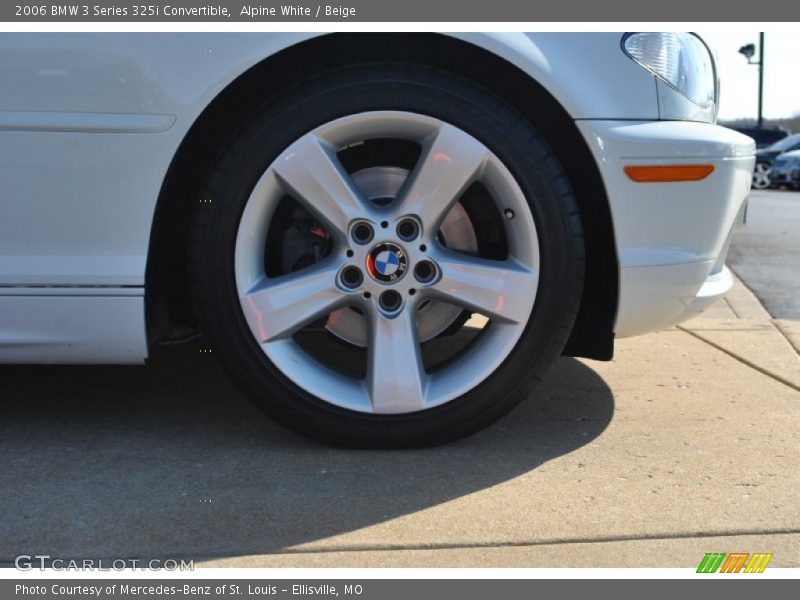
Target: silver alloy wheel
{"points": [[396, 381], [761, 176]]}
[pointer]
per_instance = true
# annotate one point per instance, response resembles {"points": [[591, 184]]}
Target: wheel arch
{"points": [[168, 309]]}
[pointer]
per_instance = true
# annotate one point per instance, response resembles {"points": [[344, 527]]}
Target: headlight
{"points": [[681, 60]]}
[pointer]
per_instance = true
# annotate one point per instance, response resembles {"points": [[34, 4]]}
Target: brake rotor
{"points": [[381, 186]]}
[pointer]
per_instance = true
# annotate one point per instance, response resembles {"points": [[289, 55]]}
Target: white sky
{"points": [[739, 90]]}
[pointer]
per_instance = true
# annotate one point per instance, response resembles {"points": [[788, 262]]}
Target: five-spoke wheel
{"points": [[761, 175], [386, 261]]}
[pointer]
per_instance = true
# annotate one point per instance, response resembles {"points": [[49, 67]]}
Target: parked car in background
{"points": [[766, 156], [763, 136], [786, 170], [387, 239]]}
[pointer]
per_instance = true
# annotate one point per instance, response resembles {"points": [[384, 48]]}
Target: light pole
{"points": [[748, 51]]}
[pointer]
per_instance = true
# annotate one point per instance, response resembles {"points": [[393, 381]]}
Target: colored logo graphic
{"points": [[387, 262], [734, 562]]}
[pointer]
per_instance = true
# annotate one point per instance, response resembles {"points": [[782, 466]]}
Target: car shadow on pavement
{"points": [[170, 461]]}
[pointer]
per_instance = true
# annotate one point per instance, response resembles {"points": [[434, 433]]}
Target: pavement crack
{"points": [[733, 309], [464, 545], [776, 324], [742, 360], [546, 542]]}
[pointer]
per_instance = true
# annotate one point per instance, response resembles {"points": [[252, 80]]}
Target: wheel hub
{"points": [[381, 185], [387, 262]]}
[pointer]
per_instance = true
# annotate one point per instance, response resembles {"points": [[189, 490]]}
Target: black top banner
{"points": [[488, 11]]}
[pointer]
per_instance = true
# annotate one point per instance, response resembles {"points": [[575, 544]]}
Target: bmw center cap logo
{"points": [[387, 262]]}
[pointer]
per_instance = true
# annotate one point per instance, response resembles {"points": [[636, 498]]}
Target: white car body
{"points": [[90, 124]]}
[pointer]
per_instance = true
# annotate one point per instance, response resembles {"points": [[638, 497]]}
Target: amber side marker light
{"points": [[661, 173]]}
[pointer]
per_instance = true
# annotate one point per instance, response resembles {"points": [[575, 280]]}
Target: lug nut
{"points": [[407, 230], [352, 277], [390, 300], [362, 233], [425, 271]]}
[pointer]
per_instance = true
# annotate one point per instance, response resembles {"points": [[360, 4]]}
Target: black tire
{"points": [[352, 90]]}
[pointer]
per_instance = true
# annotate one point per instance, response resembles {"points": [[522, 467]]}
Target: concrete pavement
{"points": [[687, 443], [740, 326], [640, 553]]}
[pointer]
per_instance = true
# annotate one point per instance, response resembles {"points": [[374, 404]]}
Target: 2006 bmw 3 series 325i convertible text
{"points": [[387, 239]]}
